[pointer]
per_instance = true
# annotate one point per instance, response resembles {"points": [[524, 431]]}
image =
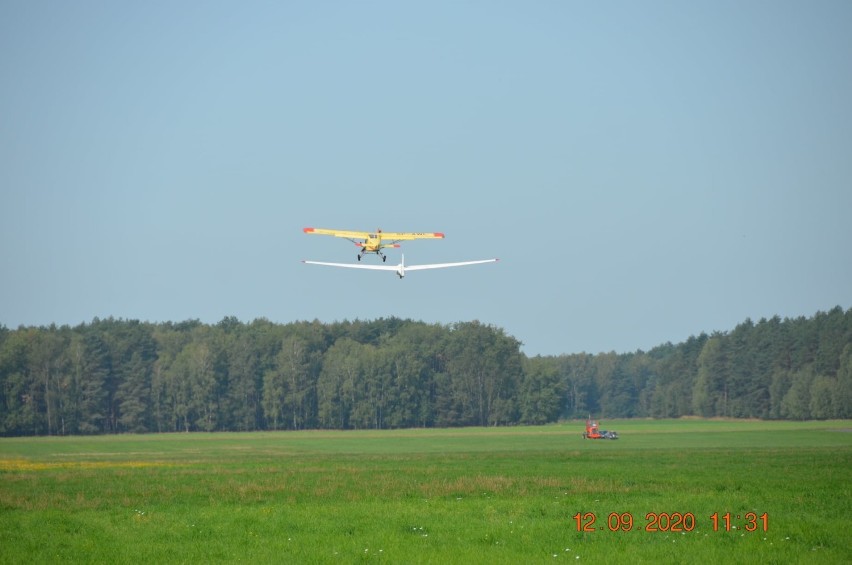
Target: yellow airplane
{"points": [[375, 241]]}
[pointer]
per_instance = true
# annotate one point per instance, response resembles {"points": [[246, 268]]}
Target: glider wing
{"points": [[355, 265], [444, 265], [402, 267]]}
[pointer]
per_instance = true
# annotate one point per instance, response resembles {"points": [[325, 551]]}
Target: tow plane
{"points": [[374, 242], [402, 268]]}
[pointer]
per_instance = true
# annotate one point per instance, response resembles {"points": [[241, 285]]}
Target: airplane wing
{"points": [[402, 267], [444, 265], [390, 235], [355, 265], [339, 233], [411, 235]]}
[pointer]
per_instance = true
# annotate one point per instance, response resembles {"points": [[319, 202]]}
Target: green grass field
{"points": [[497, 495]]}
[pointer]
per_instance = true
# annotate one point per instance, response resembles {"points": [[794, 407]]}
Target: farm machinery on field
{"points": [[593, 431]]}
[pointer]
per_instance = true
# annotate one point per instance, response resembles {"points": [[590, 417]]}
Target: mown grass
{"points": [[497, 495]]}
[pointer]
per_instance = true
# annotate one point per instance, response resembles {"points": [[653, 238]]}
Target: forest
{"points": [[126, 376]]}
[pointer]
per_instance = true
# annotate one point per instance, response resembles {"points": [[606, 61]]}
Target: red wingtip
{"points": [[439, 234], [307, 230]]}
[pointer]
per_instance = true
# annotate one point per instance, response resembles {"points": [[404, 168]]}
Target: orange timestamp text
{"points": [[672, 522]]}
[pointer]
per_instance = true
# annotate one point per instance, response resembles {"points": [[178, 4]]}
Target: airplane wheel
{"points": [[384, 258], [359, 257]]}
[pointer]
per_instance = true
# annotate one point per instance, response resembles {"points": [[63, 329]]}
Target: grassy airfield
{"points": [[781, 493]]}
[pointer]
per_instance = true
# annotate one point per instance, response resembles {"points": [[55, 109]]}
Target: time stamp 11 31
{"points": [[671, 522]]}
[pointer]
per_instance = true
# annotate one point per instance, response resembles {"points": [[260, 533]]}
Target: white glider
{"points": [[400, 269]]}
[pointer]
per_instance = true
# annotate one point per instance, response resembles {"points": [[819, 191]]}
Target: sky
{"points": [[644, 171]]}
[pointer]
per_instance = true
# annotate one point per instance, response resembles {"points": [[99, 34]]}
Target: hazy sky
{"points": [[645, 171]]}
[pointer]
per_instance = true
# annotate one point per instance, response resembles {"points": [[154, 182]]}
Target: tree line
{"points": [[120, 376]]}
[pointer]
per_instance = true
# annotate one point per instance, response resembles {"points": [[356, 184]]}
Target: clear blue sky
{"points": [[645, 171]]}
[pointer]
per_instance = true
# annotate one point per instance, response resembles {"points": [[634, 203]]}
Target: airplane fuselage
{"points": [[373, 244]]}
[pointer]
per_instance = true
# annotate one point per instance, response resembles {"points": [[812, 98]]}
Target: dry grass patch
{"points": [[18, 465]]}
